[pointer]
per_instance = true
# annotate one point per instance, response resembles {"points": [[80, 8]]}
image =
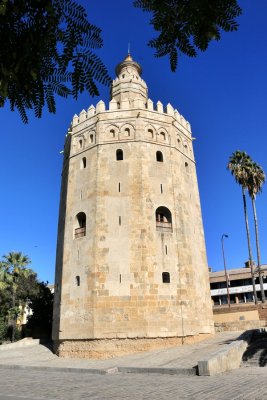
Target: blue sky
{"points": [[222, 93]]}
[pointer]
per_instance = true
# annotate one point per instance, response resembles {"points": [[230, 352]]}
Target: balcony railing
{"points": [[80, 232], [163, 226]]}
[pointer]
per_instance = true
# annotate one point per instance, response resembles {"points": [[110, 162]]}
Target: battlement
{"points": [[138, 103]]}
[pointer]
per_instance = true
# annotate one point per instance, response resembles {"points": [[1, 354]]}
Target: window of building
{"points": [[186, 164], [91, 138], [162, 136], [119, 186], [80, 144], [161, 188], [80, 230], [119, 220], [112, 133], [150, 133], [159, 156], [127, 132], [166, 249], [166, 277], [163, 219], [83, 163], [119, 155], [78, 280]]}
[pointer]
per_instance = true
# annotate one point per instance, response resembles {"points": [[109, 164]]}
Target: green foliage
{"points": [[3, 330], [256, 180], [46, 50], [246, 172], [239, 165], [40, 322], [16, 284], [187, 26]]}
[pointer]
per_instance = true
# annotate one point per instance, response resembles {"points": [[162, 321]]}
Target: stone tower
{"points": [[131, 259]]}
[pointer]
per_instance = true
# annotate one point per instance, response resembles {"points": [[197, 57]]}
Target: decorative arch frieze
{"points": [[112, 132], [162, 135], [150, 132], [127, 131]]}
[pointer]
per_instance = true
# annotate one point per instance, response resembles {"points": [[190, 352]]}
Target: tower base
{"points": [[110, 348]]}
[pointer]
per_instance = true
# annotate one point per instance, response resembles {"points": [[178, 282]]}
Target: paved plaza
{"points": [[244, 383], [33, 372]]}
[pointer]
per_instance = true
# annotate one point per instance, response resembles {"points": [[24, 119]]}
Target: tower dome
{"points": [[128, 66], [129, 85]]}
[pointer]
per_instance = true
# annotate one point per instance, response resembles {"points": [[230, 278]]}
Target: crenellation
{"points": [[188, 126], [170, 109], [177, 115], [150, 105], [82, 116], [91, 111], [159, 107], [75, 120], [100, 107], [113, 105]]}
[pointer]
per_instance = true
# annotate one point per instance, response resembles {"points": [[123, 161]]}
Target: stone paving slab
{"points": [[241, 384], [180, 358]]}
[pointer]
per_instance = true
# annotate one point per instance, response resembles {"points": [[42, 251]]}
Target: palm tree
{"points": [[238, 164], [13, 267], [255, 181]]}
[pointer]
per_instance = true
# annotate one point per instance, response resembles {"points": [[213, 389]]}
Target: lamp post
{"points": [[225, 271]]}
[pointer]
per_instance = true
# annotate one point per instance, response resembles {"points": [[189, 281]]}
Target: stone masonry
{"points": [[131, 259]]}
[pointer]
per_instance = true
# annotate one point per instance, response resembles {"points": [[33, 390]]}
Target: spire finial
{"points": [[129, 48]]}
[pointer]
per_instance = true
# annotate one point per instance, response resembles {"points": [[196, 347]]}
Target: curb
{"points": [[113, 370], [60, 369], [162, 371]]}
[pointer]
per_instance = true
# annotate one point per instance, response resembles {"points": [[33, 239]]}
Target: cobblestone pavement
{"points": [[242, 384]]}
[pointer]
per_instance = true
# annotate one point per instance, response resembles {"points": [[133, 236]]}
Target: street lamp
{"points": [[225, 271]]}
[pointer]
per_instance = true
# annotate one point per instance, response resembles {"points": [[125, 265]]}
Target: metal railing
{"points": [[80, 232], [163, 226]]}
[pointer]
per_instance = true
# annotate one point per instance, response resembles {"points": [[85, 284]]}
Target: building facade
{"points": [[131, 259], [240, 286]]}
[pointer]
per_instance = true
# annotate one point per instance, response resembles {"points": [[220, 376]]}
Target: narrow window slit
{"points": [[166, 277]]}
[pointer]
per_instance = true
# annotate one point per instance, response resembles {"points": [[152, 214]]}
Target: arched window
{"points": [[91, 138], [150, 133], [80, 229], [159, 156], [80, 143], [83, 163], [163, 219], [127, 132], [162, 136], [112, 133], [119, 155], [166, 277], [78, 280]]}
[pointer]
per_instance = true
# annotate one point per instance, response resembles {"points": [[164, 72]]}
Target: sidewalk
{"points": [[180, 360]]}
